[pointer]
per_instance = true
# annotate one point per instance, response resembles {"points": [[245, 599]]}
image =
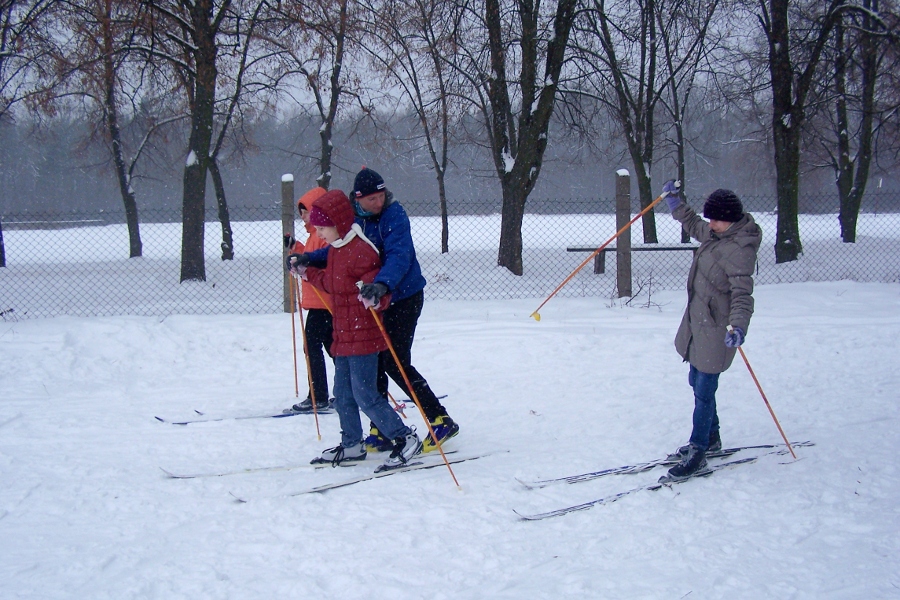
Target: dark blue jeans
{"points": [[355, 389], [706, 420]]}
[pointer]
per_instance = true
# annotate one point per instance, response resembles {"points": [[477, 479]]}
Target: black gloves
{"points": [[373, 291], [288, 240], [297, 260]]}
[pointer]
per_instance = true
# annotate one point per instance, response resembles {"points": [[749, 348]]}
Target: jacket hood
{"points": [[338, 209], [745, 232]]}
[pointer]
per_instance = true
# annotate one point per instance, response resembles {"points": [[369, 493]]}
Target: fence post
{"points": [[623, 243], [287, 226]]}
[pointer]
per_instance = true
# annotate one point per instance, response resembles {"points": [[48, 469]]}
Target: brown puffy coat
{"points": [[355, 331], [720, 288]]}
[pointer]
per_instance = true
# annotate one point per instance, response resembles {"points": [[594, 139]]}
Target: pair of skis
{"points": [[206, 419], [417, 463], [640, 468]]}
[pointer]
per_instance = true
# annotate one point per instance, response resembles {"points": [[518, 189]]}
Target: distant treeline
{"points": [[60, 166]]}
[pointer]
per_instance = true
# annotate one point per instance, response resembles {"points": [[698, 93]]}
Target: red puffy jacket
{"points": [[352, 259]]}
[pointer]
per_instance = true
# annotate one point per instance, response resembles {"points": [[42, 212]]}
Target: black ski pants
{"points": [[400, 321], [318, 337]]}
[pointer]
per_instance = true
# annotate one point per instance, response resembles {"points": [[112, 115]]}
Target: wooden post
{"points": [[287, 226], [623, 244]]}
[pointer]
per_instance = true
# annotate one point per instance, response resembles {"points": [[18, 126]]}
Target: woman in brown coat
{"points": [[720, 293]]}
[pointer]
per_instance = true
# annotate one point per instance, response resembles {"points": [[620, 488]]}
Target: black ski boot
{"points": [[693, 464]]}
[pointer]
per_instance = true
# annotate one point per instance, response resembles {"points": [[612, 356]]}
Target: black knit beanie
{"points": [[367, 182], [723, 205]]}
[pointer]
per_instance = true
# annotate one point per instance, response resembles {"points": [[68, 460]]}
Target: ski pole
{"points": [[397, 407], [536, 315], [766, 400], [312, 392], [294, 339], [409, 386]]}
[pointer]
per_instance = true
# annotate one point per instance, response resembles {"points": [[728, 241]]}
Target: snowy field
{"points": [[86, 512]]}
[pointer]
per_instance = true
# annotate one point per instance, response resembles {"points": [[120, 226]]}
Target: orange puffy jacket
{"points": [[310, 297]]}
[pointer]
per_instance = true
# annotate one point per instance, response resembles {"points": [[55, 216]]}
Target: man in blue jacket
{"points": [[386, 224]]}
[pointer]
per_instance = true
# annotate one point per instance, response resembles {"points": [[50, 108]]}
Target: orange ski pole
{"points": [[409, 386], [294, 338], [536, 315], [766, 400], [312, 392]]}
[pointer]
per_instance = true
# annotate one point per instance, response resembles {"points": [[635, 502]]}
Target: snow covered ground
{"points": [[86, 512]]}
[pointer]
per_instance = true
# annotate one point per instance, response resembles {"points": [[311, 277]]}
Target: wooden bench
{"points": [[600, 259]]}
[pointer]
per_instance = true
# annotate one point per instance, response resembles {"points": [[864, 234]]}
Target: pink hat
{"points": [[318, 218]]}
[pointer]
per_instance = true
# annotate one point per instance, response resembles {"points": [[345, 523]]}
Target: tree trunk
{"points": [[645, 196], [789, 97], [324, 178], [512, 214], [193, 265], [2, 247], [112, 122], [518, 144], [445, 223], [224, 218], [852, 186], [787, 188], [786, 118]]}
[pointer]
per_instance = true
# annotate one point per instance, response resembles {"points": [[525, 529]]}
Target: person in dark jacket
{"points": [[720, 304], [357, 338], [386, 223]]}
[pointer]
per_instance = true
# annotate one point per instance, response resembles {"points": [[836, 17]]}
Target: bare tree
{"points": [[858, 105], [198, 39], [242, 35], [21, 49], [512, 54], [796, 38], [684, 27], [617, 55], [409, 41], [92, 64], [313, 43], [24, 30]]}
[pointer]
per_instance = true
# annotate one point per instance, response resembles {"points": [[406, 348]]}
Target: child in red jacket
{"points": [[357, 339]]}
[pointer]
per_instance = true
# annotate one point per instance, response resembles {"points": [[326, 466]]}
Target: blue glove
{"points": [[734, 338], [672, 189], [297, 260], [373, 291]]}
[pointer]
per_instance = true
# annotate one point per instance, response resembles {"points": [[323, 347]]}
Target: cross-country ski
{"points": [[273, 415], [418, 463], [650, 486], [646, 466]]}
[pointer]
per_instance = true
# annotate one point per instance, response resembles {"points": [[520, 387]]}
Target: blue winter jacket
{"points": [[391, 234]]}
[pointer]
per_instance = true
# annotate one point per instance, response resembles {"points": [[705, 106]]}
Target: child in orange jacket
{"points": [[318, 326]]}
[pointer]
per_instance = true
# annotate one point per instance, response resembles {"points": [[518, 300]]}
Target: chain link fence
{"points": [[78, 264]]}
